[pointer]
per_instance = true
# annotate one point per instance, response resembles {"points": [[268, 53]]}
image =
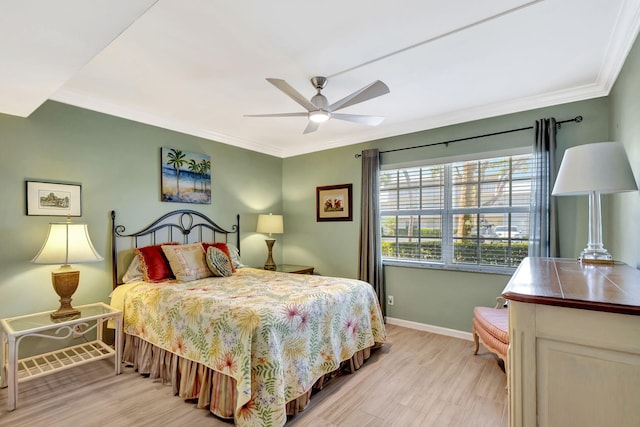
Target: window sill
{"points": [[470, 268]]}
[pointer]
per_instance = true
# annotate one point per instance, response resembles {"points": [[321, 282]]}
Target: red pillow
{"points": [[154, 264], [223, 247]]}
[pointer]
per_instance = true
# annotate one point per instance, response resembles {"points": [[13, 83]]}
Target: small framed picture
{"points": [[333, 203], [54, 199]]}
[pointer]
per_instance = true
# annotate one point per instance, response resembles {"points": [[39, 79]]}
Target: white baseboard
{"points": [[431, 328]]}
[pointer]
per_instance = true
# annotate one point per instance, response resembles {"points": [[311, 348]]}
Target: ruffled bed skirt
{"points": [[211, 389]]}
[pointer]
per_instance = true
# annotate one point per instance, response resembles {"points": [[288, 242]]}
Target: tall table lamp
{"points": [[271, 224], [595, 169], [66, 243]]}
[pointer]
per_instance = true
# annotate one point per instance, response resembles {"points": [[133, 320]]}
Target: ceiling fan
{"points": [[318, 108]]}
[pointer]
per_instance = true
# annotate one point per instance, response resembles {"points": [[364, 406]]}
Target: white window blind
{"points": [[471, 214]]}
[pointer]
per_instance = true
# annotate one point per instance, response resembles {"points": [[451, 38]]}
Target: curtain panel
{"points": [[543, 233], [370, 266]]}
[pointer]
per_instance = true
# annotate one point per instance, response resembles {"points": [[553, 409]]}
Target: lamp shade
{"points": [[602, 167], [67, 243], [271, 224]]}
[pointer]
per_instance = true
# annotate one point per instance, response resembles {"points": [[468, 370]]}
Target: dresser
{"points": [[574, 352]]}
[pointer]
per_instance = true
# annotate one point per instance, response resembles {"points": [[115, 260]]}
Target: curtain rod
{"points": [[576, 119]]}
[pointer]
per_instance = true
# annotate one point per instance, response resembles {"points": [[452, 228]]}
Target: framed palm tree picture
{"points": [[186, 177]]}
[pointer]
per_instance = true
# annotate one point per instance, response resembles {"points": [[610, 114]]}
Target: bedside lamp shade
{"points": [[595, 169], [601, 167], [66, 243], [272, 224]]}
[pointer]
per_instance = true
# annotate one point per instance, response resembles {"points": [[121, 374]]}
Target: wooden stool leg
{"points": [[476, 340]]}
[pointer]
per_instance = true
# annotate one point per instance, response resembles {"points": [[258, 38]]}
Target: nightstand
{"points": [[291, 268], [15, 329]]}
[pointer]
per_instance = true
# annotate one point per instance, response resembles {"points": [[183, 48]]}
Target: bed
{"points": [[247, 344]]}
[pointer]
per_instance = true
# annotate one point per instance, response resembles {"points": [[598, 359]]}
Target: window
{"points": [[462, 215]]}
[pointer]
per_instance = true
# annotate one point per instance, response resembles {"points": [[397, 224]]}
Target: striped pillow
{"points": [[223, 247], [219, 262]]}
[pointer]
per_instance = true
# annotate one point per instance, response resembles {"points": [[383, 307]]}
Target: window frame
{"points": [[448, 213]]}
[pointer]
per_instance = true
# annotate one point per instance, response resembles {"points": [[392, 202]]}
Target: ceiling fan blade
{"points": [[278, 115], [311, 127], [292, 93], [365, 120], [371, 91]]}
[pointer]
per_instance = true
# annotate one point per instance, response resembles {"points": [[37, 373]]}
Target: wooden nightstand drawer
{"points": [[291, 268]]}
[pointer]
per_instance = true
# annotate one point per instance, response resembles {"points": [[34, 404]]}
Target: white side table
{"points": [[15, 329]]}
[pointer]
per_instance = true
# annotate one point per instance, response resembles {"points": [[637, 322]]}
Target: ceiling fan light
{"points": [[319, 116]]}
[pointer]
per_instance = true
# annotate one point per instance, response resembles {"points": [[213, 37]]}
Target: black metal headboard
{"points": [[188, 225]]}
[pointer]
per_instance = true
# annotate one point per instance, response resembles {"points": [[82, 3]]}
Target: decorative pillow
{"points": [[223, 247], [187, 261], [235, 256], [153, 263], [134, 272], [218, 262]]}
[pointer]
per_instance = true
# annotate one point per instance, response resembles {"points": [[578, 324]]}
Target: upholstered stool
{"points": [[491, 326]]}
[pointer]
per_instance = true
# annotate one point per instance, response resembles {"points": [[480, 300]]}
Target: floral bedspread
{"points": [[275, 333]]}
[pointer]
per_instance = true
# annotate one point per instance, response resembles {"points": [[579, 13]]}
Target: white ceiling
{"points": [[199, 66]]}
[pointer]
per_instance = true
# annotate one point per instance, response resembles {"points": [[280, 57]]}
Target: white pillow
{"points": [[134, 272], [235, 256]]}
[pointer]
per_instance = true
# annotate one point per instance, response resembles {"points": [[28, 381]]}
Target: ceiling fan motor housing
{"points": [[319, 82], [320, 101]]}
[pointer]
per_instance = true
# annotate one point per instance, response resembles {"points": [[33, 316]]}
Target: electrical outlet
{"points": [[389, 299], [78, 330]]}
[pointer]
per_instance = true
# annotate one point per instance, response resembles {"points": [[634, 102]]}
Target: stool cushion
{"points": [[493, 321]]}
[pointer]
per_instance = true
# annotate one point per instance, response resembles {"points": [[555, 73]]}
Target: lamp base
{"points": [[270, 264], [595, 253], [590, 256], [65, 282], [59, 315]]}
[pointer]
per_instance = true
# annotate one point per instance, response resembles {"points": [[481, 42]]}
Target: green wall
{"points": [[433, 297], [118, 164], [624, 214]]}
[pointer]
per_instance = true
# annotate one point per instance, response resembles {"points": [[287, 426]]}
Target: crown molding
{"points": [[599, 89], [81, 100], [580, 93], [622, 40]]}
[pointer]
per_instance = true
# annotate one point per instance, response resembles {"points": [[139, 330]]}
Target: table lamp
{"points": [[595, 169], [66, 243], [271, 224]]}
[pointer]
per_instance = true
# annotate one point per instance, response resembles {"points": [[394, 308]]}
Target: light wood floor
{"points": [[416, 379]]}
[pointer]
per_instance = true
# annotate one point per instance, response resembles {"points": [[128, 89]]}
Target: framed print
{"points": [[54, 199], [333, 203], [186, 177]]}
